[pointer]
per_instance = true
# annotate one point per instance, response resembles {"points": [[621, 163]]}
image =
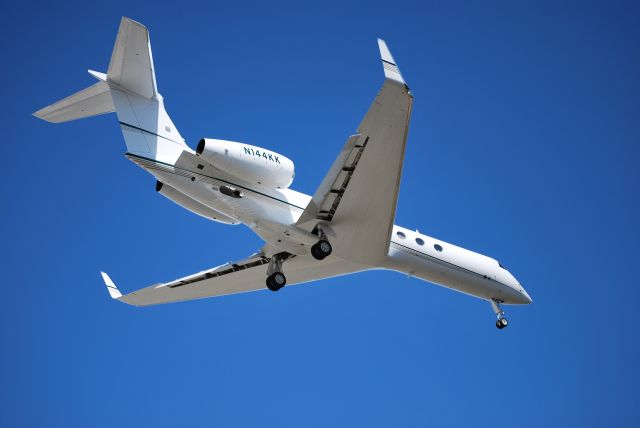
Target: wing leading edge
{"points": [[357, 198], [231, 278]]}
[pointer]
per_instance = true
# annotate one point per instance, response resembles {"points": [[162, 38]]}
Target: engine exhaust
{"points": [[231, 191]]}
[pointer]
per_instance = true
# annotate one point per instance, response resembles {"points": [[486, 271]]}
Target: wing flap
{"points": [[332, 184]]}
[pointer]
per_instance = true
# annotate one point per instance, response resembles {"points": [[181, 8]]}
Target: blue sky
{"points": [[523, 145]]}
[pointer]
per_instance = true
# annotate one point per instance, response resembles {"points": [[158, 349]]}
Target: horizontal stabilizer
{"points": [[91, 101]]}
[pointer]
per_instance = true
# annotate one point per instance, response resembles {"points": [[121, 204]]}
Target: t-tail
{"points": [[129, 88]]}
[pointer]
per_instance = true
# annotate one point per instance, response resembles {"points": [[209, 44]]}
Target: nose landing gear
{"points": [[501, 322]]}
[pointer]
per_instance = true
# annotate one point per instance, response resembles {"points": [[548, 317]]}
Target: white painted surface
{"points": [[355, 203]]}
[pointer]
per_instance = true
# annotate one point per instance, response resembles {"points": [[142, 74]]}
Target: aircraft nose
{"points": [[525, 295]]}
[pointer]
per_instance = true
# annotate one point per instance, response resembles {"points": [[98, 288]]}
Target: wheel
{"points": [[499, 325], [279, 279], [325, 247], [276, 281], [321, 249], [503, 322]]}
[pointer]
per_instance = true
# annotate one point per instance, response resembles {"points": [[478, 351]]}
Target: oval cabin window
{"points": [[419, 241], [401, 235], [438, 247]]}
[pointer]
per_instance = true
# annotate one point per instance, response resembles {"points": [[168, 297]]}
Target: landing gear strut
{"points": [[322, 248], [275, 278], [501, 322]]}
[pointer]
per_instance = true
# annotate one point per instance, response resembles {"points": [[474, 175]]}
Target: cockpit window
{"points": [[401, 235], [500, 264]]}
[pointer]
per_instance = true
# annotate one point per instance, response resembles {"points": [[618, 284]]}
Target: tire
{"points": [[276, 281], [321, 249], [270, 284], [503, 322], [315, 252], [499, 325]]}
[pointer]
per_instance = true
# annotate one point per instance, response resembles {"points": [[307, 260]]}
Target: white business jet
{"points": [[345, 227]]}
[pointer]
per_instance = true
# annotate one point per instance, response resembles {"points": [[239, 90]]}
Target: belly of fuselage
{"points": [[448, 274]]}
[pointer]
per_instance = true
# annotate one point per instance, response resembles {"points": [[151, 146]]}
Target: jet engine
{"points": [[191, 204], [251, 164]]}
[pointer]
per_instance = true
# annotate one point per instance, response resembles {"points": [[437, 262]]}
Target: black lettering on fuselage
{"points": [[268, 156]]}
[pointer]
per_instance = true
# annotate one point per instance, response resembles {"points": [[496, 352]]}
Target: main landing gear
{"points": [[275, 278], [501, 322], [322, 248]]}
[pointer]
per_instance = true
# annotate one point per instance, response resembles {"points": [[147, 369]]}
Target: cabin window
{"points": [[401, 235], [419, 241], [438, 247]]}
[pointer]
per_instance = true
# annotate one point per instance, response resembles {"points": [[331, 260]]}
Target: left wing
{"points": [[231, 278]]}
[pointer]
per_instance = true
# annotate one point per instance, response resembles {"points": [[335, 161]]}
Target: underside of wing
{"points": [[357, 198], [231, 278]]}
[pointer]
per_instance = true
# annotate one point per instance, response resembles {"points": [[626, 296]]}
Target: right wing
{"points": [[231, 278], [356, 201]]}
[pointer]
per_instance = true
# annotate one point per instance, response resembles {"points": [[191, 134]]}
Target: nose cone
{"points": [[526, 299]]}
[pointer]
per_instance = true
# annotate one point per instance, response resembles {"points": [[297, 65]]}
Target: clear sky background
{"points": [[523, 146]]}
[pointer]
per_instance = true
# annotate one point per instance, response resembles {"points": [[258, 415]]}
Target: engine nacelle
{"points": [[191, 204], [251, 164]]}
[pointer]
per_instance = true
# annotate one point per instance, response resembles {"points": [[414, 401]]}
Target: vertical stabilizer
{"points": [[129, 88], [147, 129], [131, 65]]}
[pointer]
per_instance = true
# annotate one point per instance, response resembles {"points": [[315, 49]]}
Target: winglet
{"points": [[391, 70], [100, 76], [113, 290]]}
